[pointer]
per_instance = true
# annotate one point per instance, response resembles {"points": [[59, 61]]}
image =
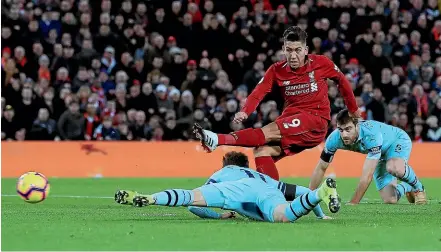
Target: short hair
{"points": [[235, 158], [74, 102], [295, 33], [343, 117]]}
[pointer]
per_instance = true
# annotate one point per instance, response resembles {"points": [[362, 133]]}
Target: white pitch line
{"points": [[365, 201], [67, 196]]}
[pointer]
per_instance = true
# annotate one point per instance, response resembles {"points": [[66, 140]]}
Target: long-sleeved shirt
{"points": [[305, 88]]}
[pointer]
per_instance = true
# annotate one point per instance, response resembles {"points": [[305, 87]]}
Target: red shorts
{"points": [[301, 131]]}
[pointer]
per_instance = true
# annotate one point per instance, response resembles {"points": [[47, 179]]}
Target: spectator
{"points": [[376, 108], [106, 131], [71, 125], [418, 133], [185, 110], [27, 108], [135, 100], [419, 103], [172, 131], [140, 130], [199, 117], [9, 123], [22, 62], [164, 103], [124, 132], [92, 121], [108, 60], [44, 128], [175, 96], [434, 130], [389, 88], [253, 76], [377, 63]]}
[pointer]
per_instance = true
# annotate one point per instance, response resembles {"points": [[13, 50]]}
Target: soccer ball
{"points": [[33, 187]]}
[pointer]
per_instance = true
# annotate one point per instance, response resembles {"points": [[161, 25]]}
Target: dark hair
{"points": [[235, 158], [343, 117], [74, 102], [295, 33]]}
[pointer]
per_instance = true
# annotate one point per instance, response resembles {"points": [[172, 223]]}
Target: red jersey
{"points": [[304, 89]]}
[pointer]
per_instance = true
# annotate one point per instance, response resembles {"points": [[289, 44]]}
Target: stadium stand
{"points": [[147, 70]]}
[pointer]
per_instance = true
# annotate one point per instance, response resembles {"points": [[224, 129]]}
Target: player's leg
{"points": [[212, 195], [246, 138], [392, 192], [264, 159], [172, 198], [302, 205], [125, 197], [397, 165], [206, 195], [298, 132], [297, 191], [387, 186], [411, 184]]}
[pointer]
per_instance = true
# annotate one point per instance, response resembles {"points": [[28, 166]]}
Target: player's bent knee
{"points": [[271, 132], [279, 214], [395, 166], [267, 151], [390, 201], [261, 152], [208, 195], [199, 199]]}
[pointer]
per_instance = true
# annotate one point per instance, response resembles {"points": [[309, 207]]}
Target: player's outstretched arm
{"points": [[318, 174], [365, 180], [206, 213], [263, 87], [333, 72], [332, 144], [373, 143]]}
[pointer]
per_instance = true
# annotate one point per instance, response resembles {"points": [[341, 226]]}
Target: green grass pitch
{"points": [[95, 222]]}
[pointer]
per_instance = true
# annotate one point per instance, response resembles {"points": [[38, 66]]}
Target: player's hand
{"points": [[228, 215], [239, 117], [356, 114]]}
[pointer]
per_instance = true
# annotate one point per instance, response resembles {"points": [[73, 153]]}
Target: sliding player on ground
{"points": [[235, 169]]}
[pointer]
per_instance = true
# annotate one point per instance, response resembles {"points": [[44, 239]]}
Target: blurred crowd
{"points": [[148, 69]]}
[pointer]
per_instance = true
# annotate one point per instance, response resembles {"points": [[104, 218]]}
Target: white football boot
{"points": [[209, 139]]}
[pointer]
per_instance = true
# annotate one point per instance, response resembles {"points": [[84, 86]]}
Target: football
{"points": [[33, 187]]}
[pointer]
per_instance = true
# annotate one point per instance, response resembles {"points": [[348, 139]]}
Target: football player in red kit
{"points": [[303, 123]]}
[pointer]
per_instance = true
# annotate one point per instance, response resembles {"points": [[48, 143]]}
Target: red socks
{"points": [[266, 165], [251, 138], [245, 138]]}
